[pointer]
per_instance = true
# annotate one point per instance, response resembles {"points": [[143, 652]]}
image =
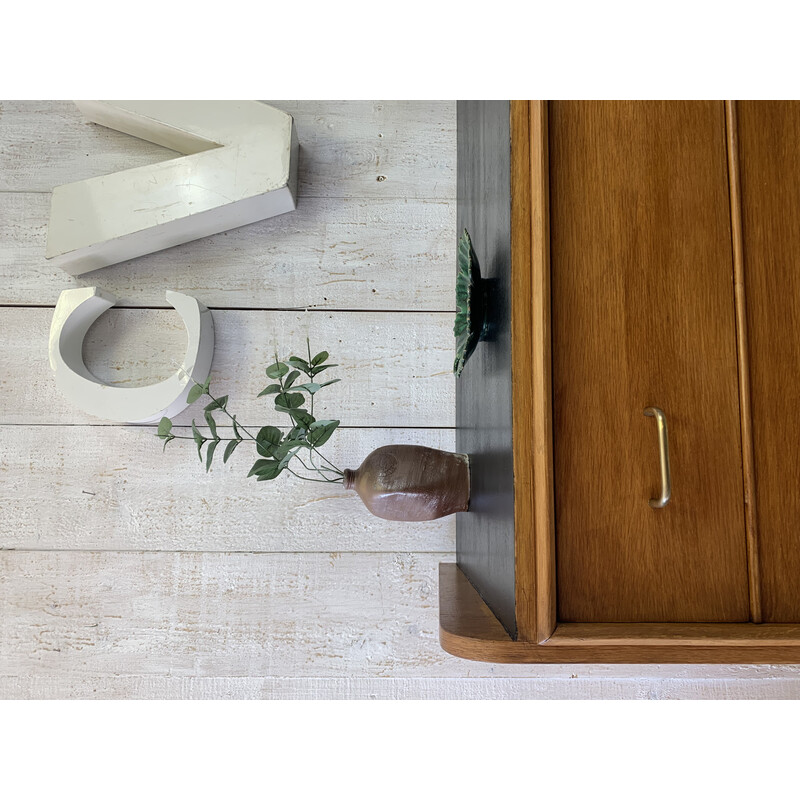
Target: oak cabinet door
{"points": [[769, 157], [643, 315]]}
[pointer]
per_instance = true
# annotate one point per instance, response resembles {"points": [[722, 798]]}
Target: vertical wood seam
{"points": [[742, 350], [544, 498], [523, 410], [534, 546]]}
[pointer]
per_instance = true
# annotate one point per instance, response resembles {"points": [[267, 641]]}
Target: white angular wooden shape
{"points": [[74, 314], [240, 167]]}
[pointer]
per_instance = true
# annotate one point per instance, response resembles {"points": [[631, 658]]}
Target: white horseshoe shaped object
{"points": [[74, 314]]}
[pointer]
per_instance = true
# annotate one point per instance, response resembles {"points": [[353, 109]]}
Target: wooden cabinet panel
{"points": [[769, 156], [643, 315]]}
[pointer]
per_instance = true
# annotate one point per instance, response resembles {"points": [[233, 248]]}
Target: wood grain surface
{"points": [[643, 315], [534, 543], [532, 368], [769, 133], [468, 629]]}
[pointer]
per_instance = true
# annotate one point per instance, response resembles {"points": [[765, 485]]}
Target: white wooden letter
{"points": [[240, 167], [74, 314]]}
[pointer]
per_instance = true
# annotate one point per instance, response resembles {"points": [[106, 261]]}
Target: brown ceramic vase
{"points": [[410, 483]]}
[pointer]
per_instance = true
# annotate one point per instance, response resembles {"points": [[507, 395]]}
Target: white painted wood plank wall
{"points": [[128, 573]]}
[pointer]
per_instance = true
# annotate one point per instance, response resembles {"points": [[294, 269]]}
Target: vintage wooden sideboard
{"points": [[633, 415]]}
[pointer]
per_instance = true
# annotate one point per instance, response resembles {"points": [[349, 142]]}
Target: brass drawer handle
{"points": [[663, 457]]}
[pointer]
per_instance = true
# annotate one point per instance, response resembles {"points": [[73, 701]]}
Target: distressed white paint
{"points": [[123, 493], [396, 369], [319, 624], [240, 167], [76, 311], [560, 687], [347, 146], [352, 253], [363, 617]]}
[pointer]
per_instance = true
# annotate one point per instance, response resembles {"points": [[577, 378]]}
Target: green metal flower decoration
{"points": [[470, 303]]}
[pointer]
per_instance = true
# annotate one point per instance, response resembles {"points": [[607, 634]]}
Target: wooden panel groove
{"points": [[523, 380], [544, 478], [743, 353]]}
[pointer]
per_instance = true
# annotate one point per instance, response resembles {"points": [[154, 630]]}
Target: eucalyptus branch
{"points": [[223, 407], [191, 438], [304, 478], [231, 416], [315, 468], [276, 448], [335, 468]]}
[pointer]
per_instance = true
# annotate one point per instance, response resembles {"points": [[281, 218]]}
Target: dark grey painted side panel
{"points": [[485, 535]]}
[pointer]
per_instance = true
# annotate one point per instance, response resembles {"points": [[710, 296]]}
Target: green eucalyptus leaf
{"points": [[277, 370], [236, 429], [321, 431], [317, 370], [287, 401], [311, 388], [288, 448], [266, 469], [195, 393], [267, 439], [167, 439], [220, 402], [319, 358], [273, 388], [260, 464], [284, 462], [164, 427], [301, 417], [297, 433], [279, 451], [231, 446], [210, 453], [300, 364], [290, 379], [269, 434], [199, 440], [211, 424]]}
